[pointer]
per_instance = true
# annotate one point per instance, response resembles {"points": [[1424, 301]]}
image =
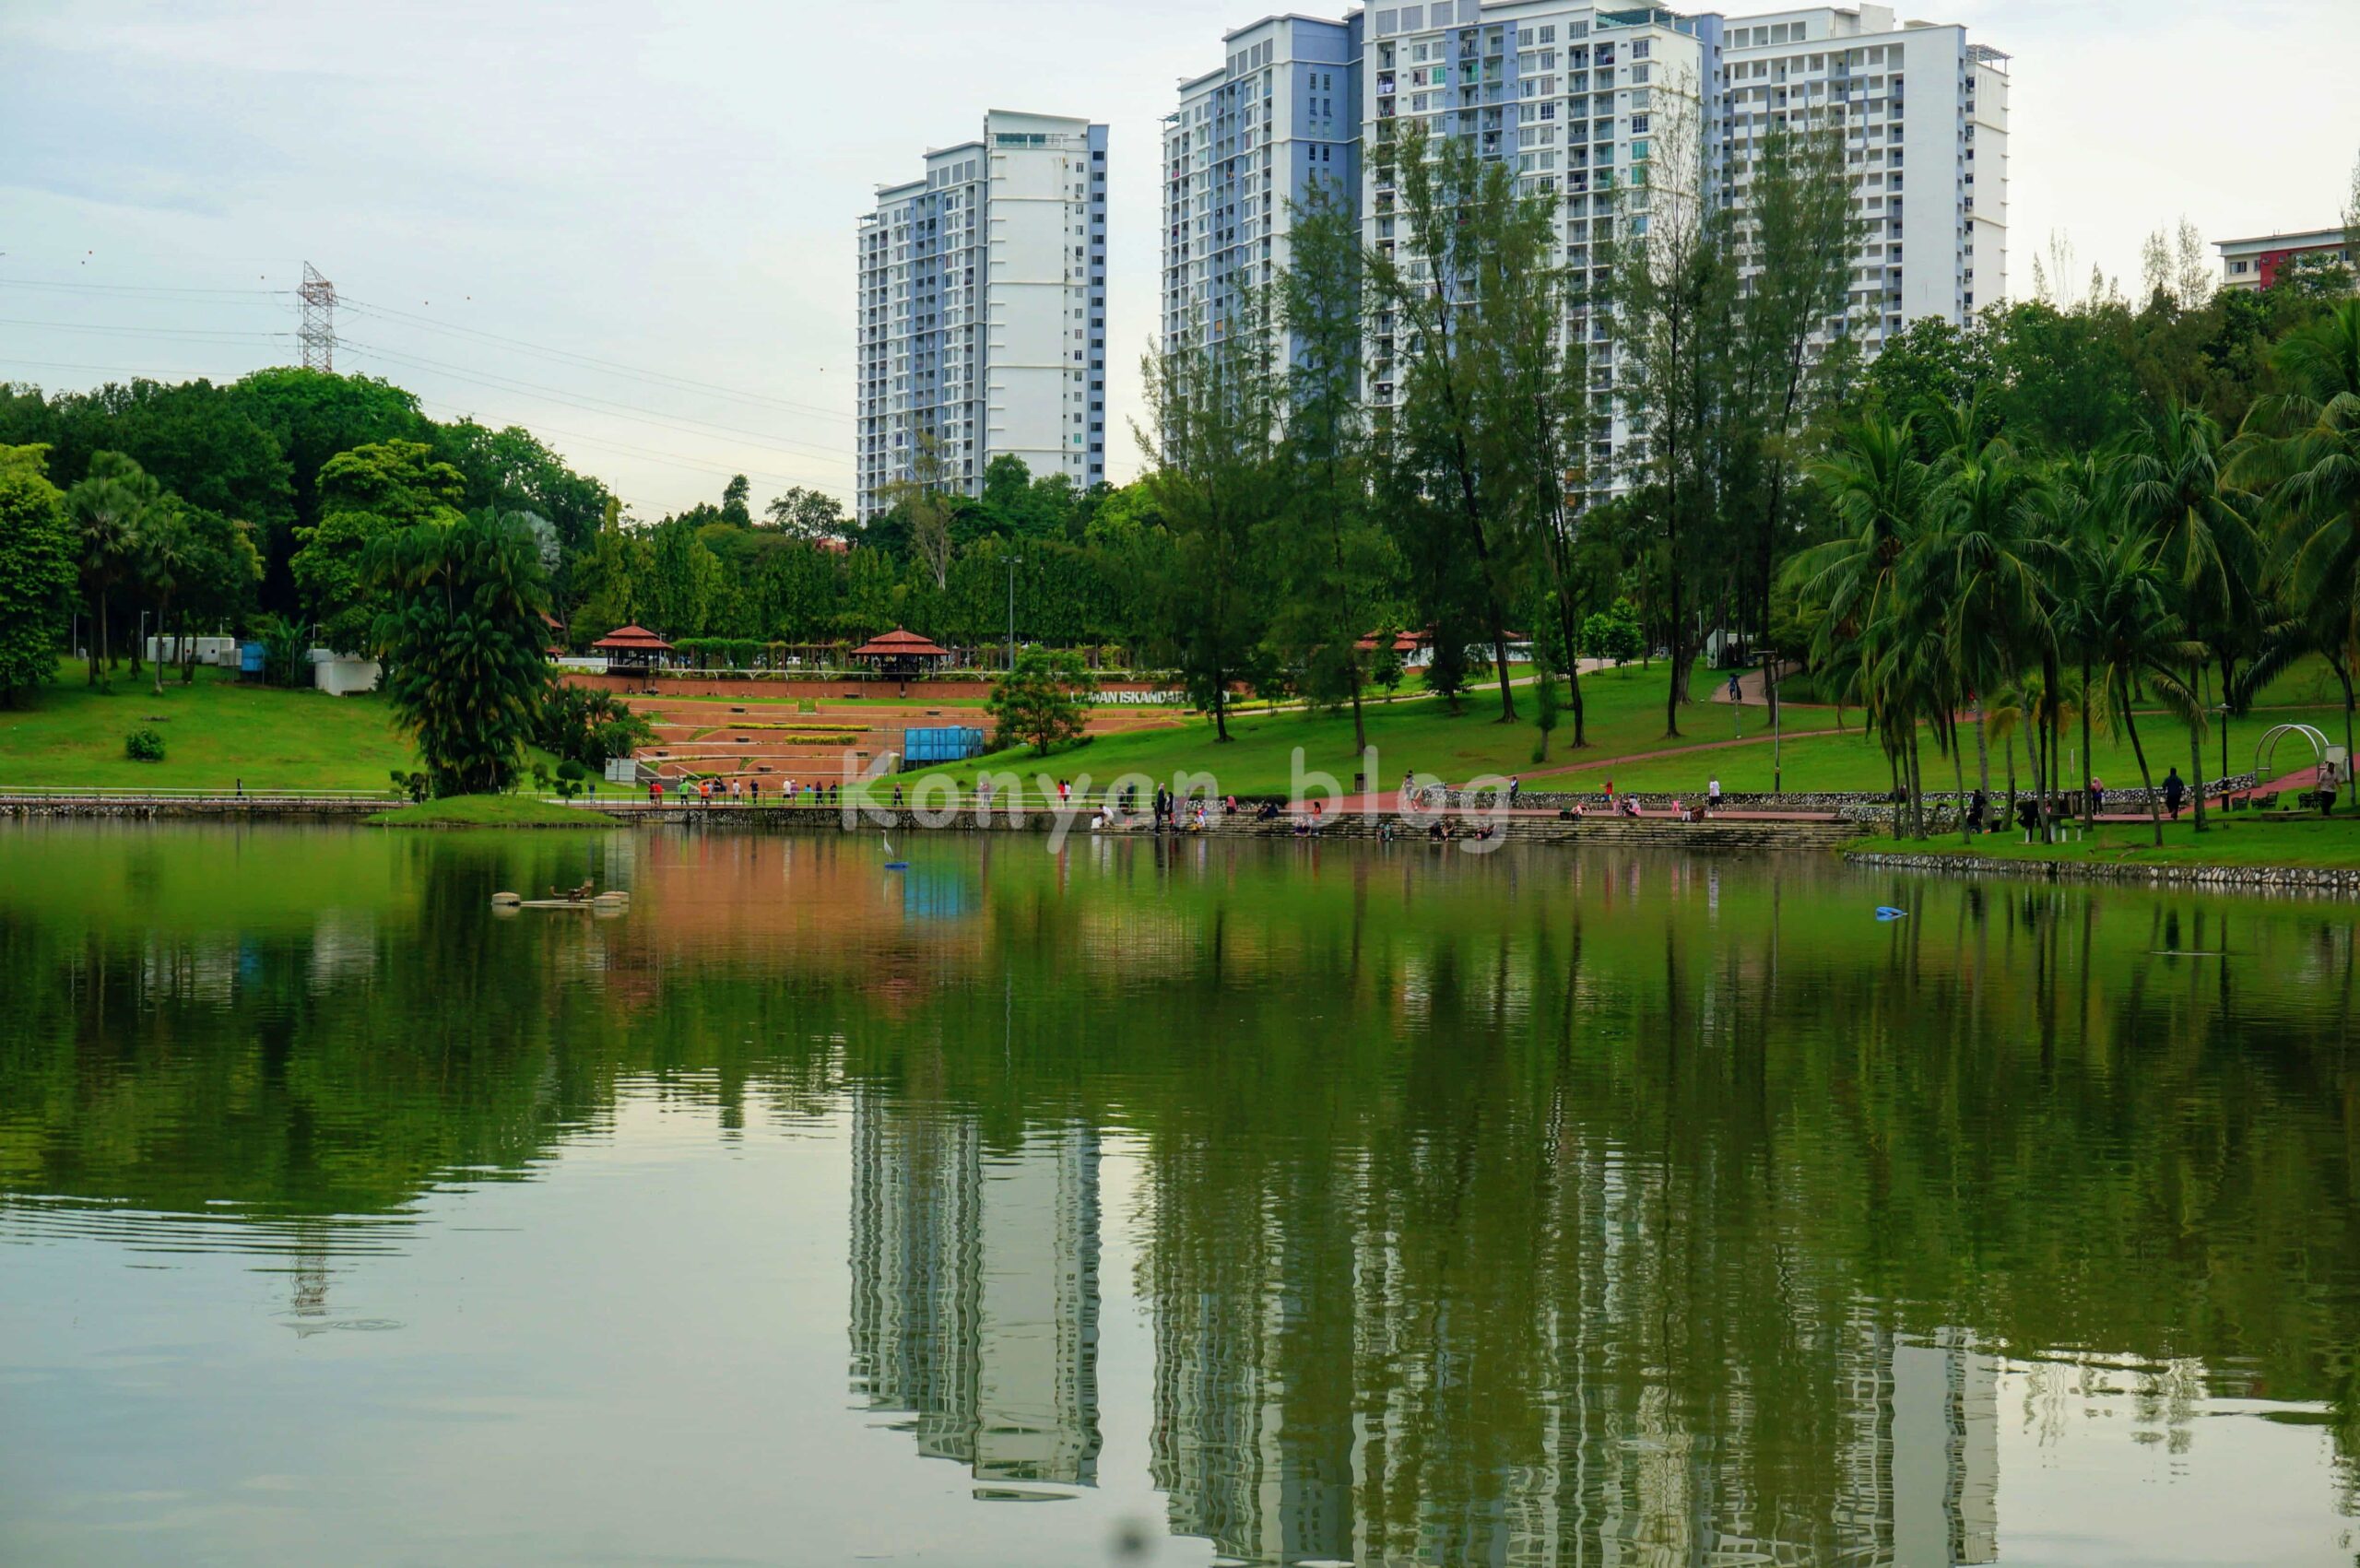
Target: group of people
{"points": [[747, 792]]}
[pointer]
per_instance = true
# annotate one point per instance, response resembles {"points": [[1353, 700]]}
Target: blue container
{"points": [[931, 748], [250, 658]]}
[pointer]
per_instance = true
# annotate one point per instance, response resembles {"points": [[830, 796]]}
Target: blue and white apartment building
{"points": [[982, 310], [1581, 98], [1279, 119]]}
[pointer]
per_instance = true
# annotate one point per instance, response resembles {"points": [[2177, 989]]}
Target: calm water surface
{"points": [[1259, 1202]]}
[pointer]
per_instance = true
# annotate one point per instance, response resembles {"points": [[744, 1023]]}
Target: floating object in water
{"points": [[506, 901], [891, 863], [1886, 911], [2183, 952]]}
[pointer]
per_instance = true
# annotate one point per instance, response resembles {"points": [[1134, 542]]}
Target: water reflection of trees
{"points": [[1679, 1213]]}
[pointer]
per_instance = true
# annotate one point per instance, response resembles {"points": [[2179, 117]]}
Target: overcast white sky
{"points": [[673, 188]]}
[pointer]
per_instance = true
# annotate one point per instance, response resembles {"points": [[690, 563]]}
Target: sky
{"points": [[630, 227]]}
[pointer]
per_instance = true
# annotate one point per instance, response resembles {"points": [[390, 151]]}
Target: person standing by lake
{"points": [[2173, 788]]}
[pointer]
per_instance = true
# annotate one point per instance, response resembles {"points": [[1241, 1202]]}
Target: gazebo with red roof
{"points": [[631, 645], [899, 653]]}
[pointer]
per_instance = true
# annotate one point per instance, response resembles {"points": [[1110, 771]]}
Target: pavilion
{"points": [[900, 654], [631, 646]]}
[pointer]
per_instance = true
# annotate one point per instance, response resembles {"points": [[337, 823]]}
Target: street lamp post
{"points": [[1013, 562]]}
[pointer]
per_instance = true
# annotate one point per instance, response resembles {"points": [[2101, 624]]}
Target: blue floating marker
{"points": [[1886, 911], [893, 865]]}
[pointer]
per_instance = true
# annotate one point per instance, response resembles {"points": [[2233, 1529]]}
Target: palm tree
{"points": [[2303, 449], [2174, 491], [1982, 566], [1876, 486], [2041, 702], [2133, 639], [108, 507], [163, 550]]}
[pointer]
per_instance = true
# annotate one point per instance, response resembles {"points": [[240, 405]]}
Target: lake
{"points": [[1251, 1201]]}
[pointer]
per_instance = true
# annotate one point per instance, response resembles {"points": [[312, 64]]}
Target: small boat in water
{"points": [[612, 902]]}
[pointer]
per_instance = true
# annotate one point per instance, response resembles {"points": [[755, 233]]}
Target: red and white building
{"points": [[2254, 263]]}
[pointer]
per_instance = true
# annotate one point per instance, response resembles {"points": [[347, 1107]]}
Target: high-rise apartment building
{"points": [[1251, 142], [1579, 100], [981, 312]]}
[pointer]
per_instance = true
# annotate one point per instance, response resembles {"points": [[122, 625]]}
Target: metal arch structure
{"points": [[2267, 745]]}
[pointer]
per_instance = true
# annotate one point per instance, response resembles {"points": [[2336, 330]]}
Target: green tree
{"points": [[2136, 643], [312, 415], [2176, 493], [683, 581], [460, 635], [512, 469], [221, 569], [37, 571], [364, 495], [1472, 247], [2301, 448], [109, 507], [161, 564], [1045, 701], [1213, 478], [807, 514], [734, 496], [1795, 250], [1613, 632], [587, 727], [1674, 284], [1332, 562]]}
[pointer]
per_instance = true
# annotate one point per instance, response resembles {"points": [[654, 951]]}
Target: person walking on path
{"points": [[1515, 790], [1737, 692], [1712, 795], [2173, 788]]}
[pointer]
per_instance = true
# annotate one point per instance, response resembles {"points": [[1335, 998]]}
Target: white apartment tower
{"points": [[1250, 142], [1924, 117], [981, 311], [1581, 98]]}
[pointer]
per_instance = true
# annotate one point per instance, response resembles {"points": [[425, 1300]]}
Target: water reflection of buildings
{"points": [[974, 1293]]}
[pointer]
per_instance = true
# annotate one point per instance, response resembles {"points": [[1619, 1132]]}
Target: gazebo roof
{"points": [[899, 645], [636, 638]]}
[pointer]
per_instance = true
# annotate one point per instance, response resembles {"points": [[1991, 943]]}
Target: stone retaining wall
{"points": [[105, 807], [1877, 803], [2286, 879]]}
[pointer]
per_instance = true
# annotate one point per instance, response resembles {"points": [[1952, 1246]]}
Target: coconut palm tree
{"points": [[2174, 491], [2133, 639], [2302, 449], [1876, 487], [1986, 559]]}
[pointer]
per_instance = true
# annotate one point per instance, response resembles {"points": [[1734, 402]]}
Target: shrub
{"points": [[144, 746]]}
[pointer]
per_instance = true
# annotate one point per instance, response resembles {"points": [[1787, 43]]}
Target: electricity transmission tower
{"points": [[315, 329]]}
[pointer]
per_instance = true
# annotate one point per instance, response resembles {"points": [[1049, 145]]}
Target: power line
{"points": [[135, 288], [615, 367], [720, 471], [188, 332], [144, 372], [590, 403]]}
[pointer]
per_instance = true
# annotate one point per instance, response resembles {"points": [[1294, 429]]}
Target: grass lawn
{"points": [[216, 732], [1625, 715], [2240, 839], [489, 811], [1852, 762]]}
